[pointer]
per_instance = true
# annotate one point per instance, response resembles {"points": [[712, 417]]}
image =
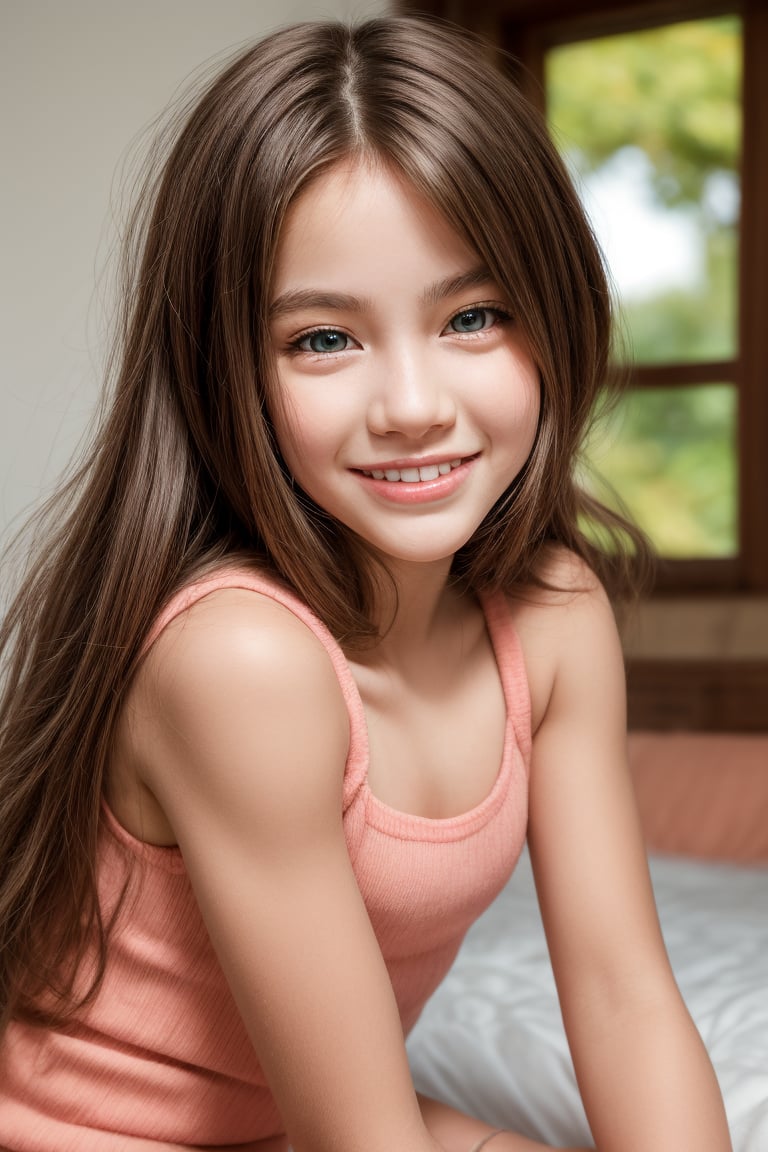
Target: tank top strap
{"points": [[512, 670], [356, 768]]}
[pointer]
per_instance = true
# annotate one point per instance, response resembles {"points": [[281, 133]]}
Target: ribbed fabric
{"points": [[161, 1059]]}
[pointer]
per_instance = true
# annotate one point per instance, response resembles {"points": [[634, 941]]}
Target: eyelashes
{"points": [[467, 323], [471, 320], [326, 341]]}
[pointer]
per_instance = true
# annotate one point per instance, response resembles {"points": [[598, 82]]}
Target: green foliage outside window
{"points": [[668, 453], [673, 91], [671, 94]]}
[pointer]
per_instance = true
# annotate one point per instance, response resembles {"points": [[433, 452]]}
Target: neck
{"points": [[412, 611]]}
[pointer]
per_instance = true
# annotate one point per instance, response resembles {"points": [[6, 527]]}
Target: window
{"points": [[661, 108], [649, 122]]}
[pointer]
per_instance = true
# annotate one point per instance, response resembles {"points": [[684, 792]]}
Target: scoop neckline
{"points": [[406, 825], [509, 664]]}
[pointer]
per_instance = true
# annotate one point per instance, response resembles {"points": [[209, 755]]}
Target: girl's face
{"points": [[410, 399]]}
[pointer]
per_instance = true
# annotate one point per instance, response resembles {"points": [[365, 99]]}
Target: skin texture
{"points": [[213, 755], [406, 386]]}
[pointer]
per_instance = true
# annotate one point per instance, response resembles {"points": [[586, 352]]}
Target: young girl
{"points": [[322, 639]]}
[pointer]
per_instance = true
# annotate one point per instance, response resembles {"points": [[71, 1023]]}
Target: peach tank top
{"points": [[160, 1059]]}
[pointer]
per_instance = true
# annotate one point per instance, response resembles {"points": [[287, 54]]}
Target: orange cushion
{"points": [[703, 794]]}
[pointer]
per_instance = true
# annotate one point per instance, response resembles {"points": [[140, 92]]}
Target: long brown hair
{"points": [[184, 472]]}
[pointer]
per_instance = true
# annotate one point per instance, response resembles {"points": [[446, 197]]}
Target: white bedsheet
{"points": [[491, 1039]]}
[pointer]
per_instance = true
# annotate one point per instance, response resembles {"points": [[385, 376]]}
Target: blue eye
{"points": [[473, 320], [324, 340]]}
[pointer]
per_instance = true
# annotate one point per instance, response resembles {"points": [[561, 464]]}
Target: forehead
{"points": [[361, 220]]}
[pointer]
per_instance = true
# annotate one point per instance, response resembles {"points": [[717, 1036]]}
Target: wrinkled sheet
{"points": [[491, 1039]]}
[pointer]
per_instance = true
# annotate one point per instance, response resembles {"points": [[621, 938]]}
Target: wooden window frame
{"points": [[527, 29]]}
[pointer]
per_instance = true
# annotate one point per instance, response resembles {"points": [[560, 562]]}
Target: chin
{"points": [[418, 554]]}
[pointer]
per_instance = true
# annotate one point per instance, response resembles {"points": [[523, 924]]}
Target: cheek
{"points": [[532, 406], [289, 433], [515, 405], [517, 425], [306, 434], [292, 421]]}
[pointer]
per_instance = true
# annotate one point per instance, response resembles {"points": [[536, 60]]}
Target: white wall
{"points": [[78, 80]]}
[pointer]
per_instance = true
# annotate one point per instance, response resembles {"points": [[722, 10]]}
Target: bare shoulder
{"points": [[237, 682], [234, 640], [565, 628]]}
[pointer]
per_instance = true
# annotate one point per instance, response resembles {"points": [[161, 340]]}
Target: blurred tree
{"points": [[682, 324], [674, 92], [668, 454]]}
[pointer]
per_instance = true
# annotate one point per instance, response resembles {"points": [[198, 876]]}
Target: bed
{"points": [[491, 1039]]}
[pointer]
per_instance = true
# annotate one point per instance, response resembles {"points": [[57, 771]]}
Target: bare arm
{"points": [[645, 1077], [242, 736]]}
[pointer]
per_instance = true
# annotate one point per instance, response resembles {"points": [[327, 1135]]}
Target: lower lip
{"points": [[422, 491]]}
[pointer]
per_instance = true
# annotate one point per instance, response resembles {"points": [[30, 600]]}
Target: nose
{"points": [[410, 398]]}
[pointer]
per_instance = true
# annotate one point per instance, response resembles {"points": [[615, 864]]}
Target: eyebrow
{"points": [[298, 299], [477, 277]]}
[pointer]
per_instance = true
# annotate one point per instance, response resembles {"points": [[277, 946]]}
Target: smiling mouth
{"points": [[413, 475]]}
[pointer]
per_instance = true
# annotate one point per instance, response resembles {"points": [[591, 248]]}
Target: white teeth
{"points": [[414, 475]]}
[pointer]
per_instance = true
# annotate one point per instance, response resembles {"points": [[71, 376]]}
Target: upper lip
{"points": [[409, 462]]}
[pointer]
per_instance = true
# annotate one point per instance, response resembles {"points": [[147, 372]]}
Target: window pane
{"points": [[650, 123], [670, 454]]}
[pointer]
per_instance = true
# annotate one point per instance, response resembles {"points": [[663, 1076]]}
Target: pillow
{"points": [[702, 794]]}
